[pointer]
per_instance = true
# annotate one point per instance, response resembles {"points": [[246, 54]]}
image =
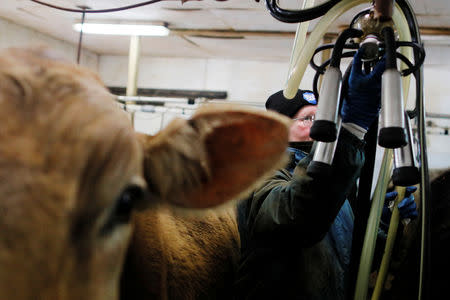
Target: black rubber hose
{"points": [[419, 56], [426, 263], [107, 10], [389, 43], [340, 44], [326, 47], [315, 84], [411, 67], [321, 70], [419, 53], [297, 16]]}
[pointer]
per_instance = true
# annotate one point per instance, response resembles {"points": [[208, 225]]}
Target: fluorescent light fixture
{"points": [[122, 29]]}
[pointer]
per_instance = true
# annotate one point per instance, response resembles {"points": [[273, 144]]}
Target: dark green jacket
{"points": [[283, 225]]}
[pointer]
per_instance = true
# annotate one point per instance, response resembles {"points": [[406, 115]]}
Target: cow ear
{"points": [[216, 156]]}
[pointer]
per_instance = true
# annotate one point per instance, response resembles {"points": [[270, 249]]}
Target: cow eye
{"points": [[129, 198]]}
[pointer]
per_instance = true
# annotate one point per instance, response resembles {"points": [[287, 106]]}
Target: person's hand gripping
{"points": [[363, 100]]}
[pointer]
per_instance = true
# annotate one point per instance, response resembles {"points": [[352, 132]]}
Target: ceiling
{"points": [[226, 29]]}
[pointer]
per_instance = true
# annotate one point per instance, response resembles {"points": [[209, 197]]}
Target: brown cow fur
{"points": [[67, 154], [60, 172], [180, 255], [202, 148], [175, 256]]}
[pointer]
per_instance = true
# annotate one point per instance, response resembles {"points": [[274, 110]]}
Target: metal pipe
{"points": [[437, 115], [392, 127], [142, 100], [324, 128], [406, 171], [133, 69], [320, 165], [80, 39], [392, 120], [383, 9], [133, 65]]}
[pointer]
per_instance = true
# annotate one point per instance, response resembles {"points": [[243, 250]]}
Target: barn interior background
{"points": [[228, 51]]}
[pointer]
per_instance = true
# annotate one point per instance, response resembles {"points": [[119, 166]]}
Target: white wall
{"points": [[247, 80], [13, 35], [437, 100], [244, 80], [254, 81]]}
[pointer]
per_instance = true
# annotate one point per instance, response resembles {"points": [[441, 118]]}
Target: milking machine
{"points": [[406, 164], [324, 127], [385, 29]]}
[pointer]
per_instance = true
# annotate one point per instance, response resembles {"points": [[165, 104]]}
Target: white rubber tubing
{"points": [[300, 35], [383, 178], [302, 58], [392, 234]]}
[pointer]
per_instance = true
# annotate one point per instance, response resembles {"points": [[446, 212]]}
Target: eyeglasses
{"points": [[307, 121]]}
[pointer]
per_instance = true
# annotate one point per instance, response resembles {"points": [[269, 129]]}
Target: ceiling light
{"points": [[122, 29]]}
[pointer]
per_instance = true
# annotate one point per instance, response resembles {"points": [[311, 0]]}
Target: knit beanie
{"points": [[289, 107]]}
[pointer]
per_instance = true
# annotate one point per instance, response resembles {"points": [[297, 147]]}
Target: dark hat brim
{"points": [[289, 107]]}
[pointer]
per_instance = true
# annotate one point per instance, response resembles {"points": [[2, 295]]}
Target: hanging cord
{"points": [[83, 10], [97, 10], [296, 16], [83, 15]]}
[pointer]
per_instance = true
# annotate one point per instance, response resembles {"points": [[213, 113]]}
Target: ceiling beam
{"points": [[240, 34], [424, 30], [434, 31], [235, 34]]}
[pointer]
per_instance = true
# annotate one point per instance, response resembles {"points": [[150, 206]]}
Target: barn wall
{"points": [[254, 81], [13, 35], [437, 100], [247, 80], [244, 80]]}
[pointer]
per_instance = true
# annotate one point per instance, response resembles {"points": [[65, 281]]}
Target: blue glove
{"points": [[363, 100], [407, 208]]}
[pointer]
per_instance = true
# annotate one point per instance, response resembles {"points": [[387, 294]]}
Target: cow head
{"points": [[72, 170]]}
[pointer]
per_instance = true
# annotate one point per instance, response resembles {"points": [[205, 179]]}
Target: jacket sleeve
{"points": [[298, 206]]}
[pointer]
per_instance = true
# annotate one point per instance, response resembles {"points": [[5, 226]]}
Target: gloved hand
{"points": [[363, 100], [407, 208]]}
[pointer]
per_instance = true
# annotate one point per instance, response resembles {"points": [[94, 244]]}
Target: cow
{"points": [[75, 178]]}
